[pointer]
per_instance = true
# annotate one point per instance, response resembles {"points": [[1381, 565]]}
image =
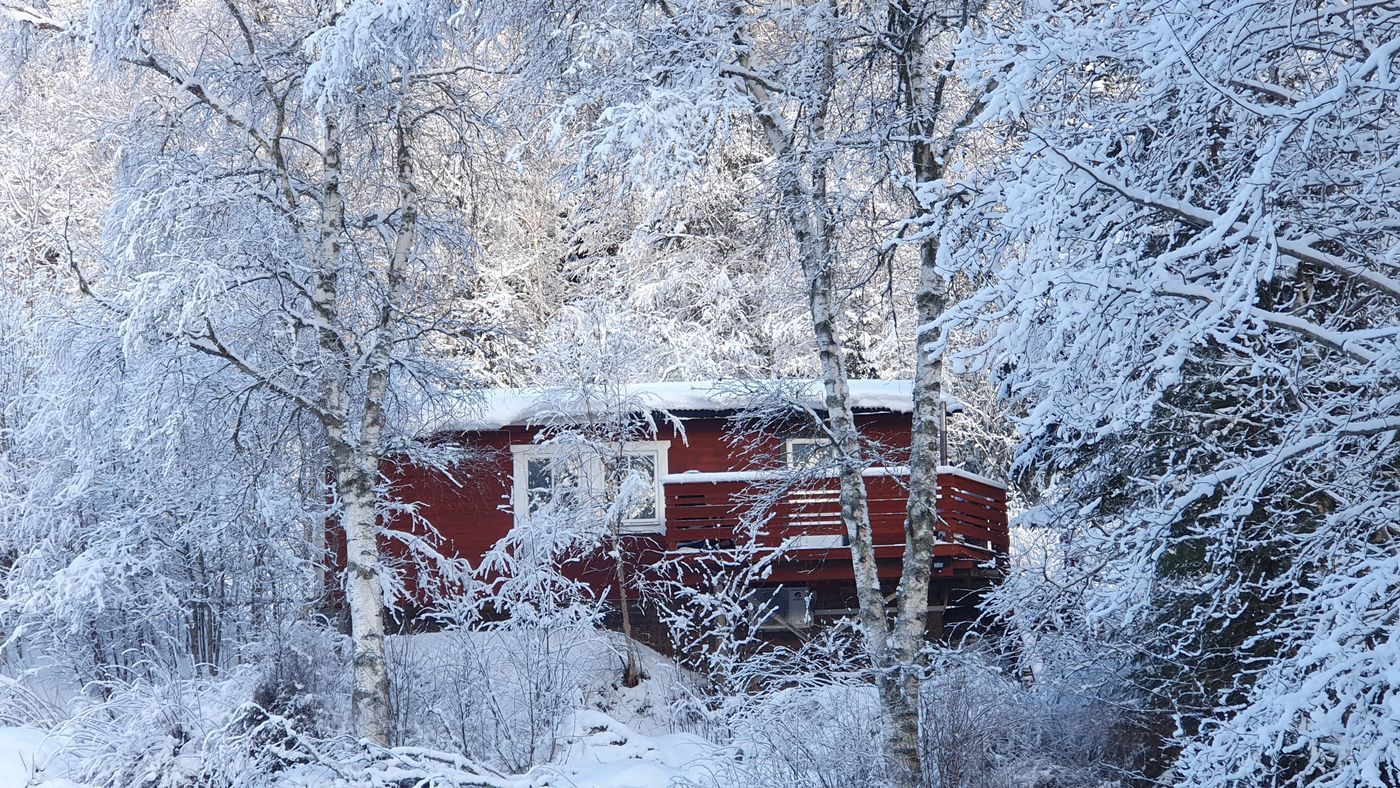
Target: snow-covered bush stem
{"points": [[588, 376]]}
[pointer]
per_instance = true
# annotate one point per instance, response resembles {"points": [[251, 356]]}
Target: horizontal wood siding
{"points": [[470, 509], [973, 515]]}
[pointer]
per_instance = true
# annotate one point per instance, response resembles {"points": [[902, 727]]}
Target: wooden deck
{"points": [[704, 511]]}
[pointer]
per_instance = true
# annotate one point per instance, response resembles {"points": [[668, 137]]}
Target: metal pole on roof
{"points": [[942, 432]]}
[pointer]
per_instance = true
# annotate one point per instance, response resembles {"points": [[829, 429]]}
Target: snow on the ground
{"points": [[649, 707], [28, 756], [599, 752], [20, 748], [625, 737], [604, 753]]}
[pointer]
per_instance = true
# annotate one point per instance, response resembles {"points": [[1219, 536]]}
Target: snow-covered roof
{"points": [[492, 409]]}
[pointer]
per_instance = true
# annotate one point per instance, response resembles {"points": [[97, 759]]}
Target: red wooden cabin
{"points": [[704, 470]]}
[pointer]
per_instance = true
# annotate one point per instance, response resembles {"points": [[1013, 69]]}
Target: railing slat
{"points": [[973, 515]]}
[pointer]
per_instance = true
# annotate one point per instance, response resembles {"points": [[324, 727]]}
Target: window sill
{"points": [[643, 528]]}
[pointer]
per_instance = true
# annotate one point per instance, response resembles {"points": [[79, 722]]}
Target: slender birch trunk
{"points": [[804, 199], [924, 95], [893, 648], [614, 459], [355, 476], [921, 523], [920, 528], [840, 424], [891, 658], [632, 668]]}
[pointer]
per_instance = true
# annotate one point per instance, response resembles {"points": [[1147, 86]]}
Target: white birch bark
{"points": [[921, 523], [370, 705], [355, 475], [924, 95], [804, 201], [632, 666], [355, 478], [356, 454], [613, 457], [893, 646]]}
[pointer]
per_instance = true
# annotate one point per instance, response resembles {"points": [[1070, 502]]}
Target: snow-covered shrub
{"points": [[303, 675], [148, 732], [520, 649], [163, 725], [297, 696], [197, 733], [803, 714], [21, 704], [983, 727], [819, 736], [799, 715], [496, 695]]}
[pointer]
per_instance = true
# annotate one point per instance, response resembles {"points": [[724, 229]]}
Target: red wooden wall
{"points": [[473, 513], [472, 510]]}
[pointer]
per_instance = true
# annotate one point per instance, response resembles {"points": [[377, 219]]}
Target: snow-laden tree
{"points": [[1196, 307], [139, 528], [122, 549], [695, 282], [842, 115], [291, 207], [604, 476]]}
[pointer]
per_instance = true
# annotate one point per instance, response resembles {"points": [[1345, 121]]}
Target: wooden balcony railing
{"points": [[704, 509]]}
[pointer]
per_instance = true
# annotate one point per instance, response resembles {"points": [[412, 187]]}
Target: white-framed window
{"points": [[808, 453], [578, 476]]}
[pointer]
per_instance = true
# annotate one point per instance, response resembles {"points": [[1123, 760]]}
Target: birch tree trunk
{"points": [[924, 95], [355, 478], [355, 475], [921, 524], [804, 200], [355, 453], [841, 427], [930, 300], [896, 680]]}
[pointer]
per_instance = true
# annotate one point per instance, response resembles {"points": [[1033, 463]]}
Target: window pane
{"points": [[568, 479], [539, 483], [805, 454], [552, 479], [643, 465]]}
